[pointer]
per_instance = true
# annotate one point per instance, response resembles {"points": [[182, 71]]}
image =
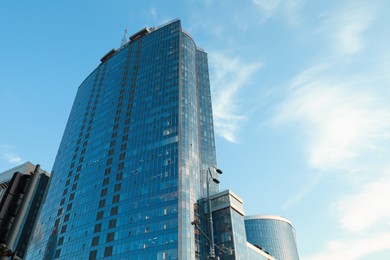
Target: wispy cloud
{"points": [[342, 119], [11, 157], [352, 249], [346, 26], [7, 154], [367, 208], [340, 108], [230, 75], [269, 8]]}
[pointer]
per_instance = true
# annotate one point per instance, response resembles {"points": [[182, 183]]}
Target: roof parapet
{"points": [[140, 33], [108, 55]]}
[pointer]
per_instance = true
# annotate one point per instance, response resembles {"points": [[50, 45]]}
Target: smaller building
{"points": [[273, 234], [229, 228], [30, 218]]}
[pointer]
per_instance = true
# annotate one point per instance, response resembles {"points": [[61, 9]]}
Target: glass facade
{"points": [[131, 164], [273, 234], [30, 217], [229, 228]]}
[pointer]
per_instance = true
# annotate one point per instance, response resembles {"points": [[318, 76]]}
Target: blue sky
{"points": [[300, 94]]}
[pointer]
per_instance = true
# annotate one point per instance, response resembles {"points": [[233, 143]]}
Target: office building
{"points": [[229, 228], [132, 161], [30, 218], [133, 168], [273, 234]]}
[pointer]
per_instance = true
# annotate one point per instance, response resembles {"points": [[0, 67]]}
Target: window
{"points": [[57, 254], [117, 187], [108, 251], [92, 255], [95, 241], [110, 237], [98, 228], [112, 223], [114, 211], [63, 229], [102, 203], [115, 199], [99, 215]]}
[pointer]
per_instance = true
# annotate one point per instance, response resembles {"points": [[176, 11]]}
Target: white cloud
{"points": [[267, 6], [8, 155], [11, 157], [353, 249], [342, 119], [368, 208], [289, 8], [230, 76], [346, 26]]}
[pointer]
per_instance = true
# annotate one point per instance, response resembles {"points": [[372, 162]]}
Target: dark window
{"points": [[102, 203], [112, 223], [109, 161], [57, 254], [122, 156], [110, 237], [117, 187], [121, 166], [114, 211], [92, 255], [115, 199], [98, 228], [104, 192], [95, 241], [99, 215], [123, 146], [108, 251], [63, 229]]}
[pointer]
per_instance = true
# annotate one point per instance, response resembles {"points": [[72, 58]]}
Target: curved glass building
{"points": [[273, 234], [130, 167]]}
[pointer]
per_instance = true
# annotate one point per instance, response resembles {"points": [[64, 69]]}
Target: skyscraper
{"points": [[29, 219], [132, 162], [273, 234]]}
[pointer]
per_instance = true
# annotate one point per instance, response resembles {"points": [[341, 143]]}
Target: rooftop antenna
{"points": [[125, 38]]}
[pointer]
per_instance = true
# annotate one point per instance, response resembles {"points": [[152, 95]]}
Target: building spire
{"points": [[125, 38]]}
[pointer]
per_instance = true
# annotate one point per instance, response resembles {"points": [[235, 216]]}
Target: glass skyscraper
{"points": [[273, 234], [132, 162]]}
